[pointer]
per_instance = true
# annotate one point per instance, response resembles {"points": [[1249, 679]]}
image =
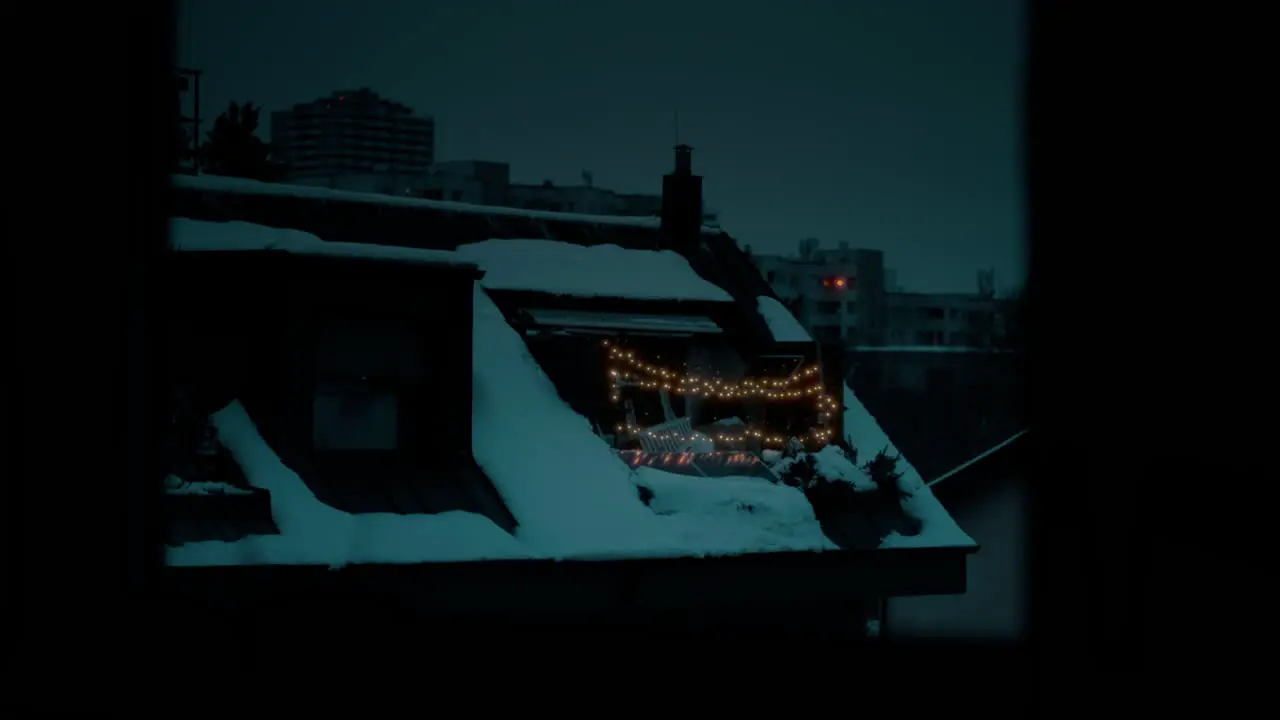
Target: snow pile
{"points": [[203, 235], [781, 322], [830, 462], [570, 493], [937, 527], [312, 533], [834, 465], [727, 514], [594, 271], [174, 485]]}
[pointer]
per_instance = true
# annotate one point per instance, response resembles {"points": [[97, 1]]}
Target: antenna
{"points": [[676, 118]]}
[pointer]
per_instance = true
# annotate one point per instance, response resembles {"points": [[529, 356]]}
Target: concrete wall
{"points": [[994, 606]]}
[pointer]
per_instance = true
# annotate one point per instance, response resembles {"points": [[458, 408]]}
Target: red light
{"points": [[840, 282]]}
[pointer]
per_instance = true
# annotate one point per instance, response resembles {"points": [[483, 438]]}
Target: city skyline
{"points": [[891, 126]]}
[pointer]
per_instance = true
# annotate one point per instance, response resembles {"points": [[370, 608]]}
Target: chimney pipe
{"points": [[682, 202], [684, 160]]}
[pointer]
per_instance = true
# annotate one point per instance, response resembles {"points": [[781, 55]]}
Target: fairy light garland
{"points": [[628, 370]]}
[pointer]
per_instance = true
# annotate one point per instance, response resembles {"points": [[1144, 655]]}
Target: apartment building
{"points": [[837, 294], [354, 140]]}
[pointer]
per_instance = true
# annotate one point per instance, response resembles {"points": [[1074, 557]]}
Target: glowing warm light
{"points": [[632, 371]]}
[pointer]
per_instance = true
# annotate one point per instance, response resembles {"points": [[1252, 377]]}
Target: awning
{"points": [[609, 322]]}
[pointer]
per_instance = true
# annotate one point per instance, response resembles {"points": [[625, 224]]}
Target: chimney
{"points": [[682, 202]]}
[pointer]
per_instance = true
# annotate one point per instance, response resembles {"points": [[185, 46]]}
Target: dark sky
{"points": [[891, 124]]}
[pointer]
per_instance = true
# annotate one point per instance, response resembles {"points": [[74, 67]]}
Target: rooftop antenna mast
{"points": [[676, 119]]}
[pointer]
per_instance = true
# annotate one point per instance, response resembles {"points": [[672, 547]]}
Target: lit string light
{"points": [[628, 370]]}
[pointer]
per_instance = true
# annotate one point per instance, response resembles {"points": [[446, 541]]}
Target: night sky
{"points": [[891, 124]]}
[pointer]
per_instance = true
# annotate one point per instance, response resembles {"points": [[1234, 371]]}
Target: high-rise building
{"points": [[354, 140]]}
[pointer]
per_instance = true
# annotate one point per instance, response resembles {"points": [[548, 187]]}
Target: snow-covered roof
{"points": [[865, 434], [572, 496], [781, 322], [591, 320], [242, 186], [937, 527], [589, 271], [202, 235]]}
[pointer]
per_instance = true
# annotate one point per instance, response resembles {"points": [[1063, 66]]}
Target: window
{"points": [[829, 307], [353, 415], [935, 313], [362, 372]]}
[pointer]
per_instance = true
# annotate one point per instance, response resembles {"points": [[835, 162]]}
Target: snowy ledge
{"points": [[242, 186], [186, 235], [589, 271], [528, 265]]}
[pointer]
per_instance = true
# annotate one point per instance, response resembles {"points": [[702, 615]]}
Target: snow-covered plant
{"points": [[883, 471], [801, 472]]}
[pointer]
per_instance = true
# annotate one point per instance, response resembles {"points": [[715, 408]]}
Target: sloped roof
{"points": [[717, 256]]}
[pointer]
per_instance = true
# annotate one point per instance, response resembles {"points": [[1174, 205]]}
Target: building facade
{"points": [[955, 320], [354, 140], [837, 294], [847, 295]]}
